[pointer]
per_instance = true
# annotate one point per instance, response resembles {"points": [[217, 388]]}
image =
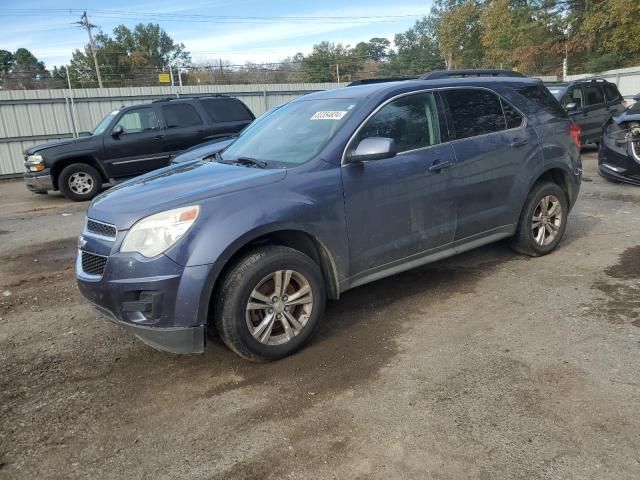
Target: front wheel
{"points": [[269, 303], [543, 220], [80, 182]]}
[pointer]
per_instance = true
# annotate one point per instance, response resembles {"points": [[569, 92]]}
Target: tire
{"points": [[527, 237], [255, 274], [80, 182]]}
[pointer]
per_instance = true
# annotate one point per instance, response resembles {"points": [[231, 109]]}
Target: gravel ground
{"points": [[487, 365]]}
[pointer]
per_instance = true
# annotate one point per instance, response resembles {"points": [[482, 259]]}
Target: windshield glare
{"points": [[104, 123], [294, 133]]}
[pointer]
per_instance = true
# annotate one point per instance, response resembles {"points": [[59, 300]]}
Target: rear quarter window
{"points": [[542, 98], [226, 110], [611, 93]]}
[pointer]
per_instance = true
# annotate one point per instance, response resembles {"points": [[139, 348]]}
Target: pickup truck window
{"points": [[139, 120], [105, 122], [181, 115]]}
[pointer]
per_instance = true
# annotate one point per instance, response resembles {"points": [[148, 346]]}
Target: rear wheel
{"points": [[543, 220], [269, 303], [79, 182]]}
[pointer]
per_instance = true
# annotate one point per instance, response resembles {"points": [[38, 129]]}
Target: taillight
{"points": [[575, 131]]}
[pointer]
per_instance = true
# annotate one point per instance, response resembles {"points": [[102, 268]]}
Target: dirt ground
{"points": [[487, 365]]}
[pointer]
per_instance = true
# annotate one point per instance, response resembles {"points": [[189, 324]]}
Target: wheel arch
{"points": [[300, 240], [62, 163]]}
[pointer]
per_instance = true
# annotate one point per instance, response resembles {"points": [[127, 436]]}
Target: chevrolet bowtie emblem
{"points": [[81, 242]]}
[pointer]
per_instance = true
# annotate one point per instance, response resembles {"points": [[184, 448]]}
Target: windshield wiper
{"points": [[250, 162]]}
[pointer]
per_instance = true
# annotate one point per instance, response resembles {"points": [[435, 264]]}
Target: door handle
{"points": [[437, 165], [518, 142]]}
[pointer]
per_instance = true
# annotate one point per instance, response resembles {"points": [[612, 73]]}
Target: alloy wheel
{"points": [[547, 220], [279, 307]]}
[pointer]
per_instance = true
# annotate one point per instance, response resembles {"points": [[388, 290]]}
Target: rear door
{"points": [[613, 100], [400, 206], [140, 147], [227, 116], [596, 113], [492, 143], [184, 126]]}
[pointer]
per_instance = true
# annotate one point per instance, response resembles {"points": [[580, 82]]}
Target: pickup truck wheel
{"points": [[79, 182], [269, 303], [543, 220]]}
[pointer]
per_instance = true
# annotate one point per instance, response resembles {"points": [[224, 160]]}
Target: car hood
{"points": [[175, 186], [58, 143], [200, 151], [627, 116]]}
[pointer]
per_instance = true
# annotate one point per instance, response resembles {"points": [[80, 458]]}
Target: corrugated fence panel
{"points": [[31, 117]]}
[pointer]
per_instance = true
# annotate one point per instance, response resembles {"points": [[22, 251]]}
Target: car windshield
{"points": [[294, 133], [104, 123]]}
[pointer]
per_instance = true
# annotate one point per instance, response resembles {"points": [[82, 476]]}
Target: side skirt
{"points": [[429, 256]]}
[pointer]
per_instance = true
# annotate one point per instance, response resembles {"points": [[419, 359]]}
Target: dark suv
{"points": [[333, 190], [131, 141], [590, 103]]}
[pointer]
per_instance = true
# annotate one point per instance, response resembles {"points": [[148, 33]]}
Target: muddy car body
{"points": [[332, 191]]}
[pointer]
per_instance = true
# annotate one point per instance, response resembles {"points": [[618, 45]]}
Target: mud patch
{"points": [[4, 232], [621, 303], [37, 278]]}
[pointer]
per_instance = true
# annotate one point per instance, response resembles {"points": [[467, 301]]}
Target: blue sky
{"points": [[45, 26]]}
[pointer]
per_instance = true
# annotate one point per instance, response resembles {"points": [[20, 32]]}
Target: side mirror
{"points": [[571, 107], [373, 148], [117, 131]]}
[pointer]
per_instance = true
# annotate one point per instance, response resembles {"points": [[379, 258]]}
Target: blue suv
{"points": [[331, 191]]}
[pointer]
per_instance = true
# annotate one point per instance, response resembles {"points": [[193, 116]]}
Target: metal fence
{"points": [[30, 117], [627, 79]]}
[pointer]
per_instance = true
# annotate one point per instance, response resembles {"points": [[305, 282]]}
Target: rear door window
{"points": [[226, 110], [412, 122], [474, 112], [139, 120], [180, 115], [593, 95], [611, 93], [512, 116]]}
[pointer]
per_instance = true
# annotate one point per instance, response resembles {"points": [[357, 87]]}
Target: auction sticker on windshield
{"points": [[329, 115]]}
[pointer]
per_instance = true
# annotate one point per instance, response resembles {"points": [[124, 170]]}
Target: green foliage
{"points": [[129, 57], [326, 59], [416, 52]]}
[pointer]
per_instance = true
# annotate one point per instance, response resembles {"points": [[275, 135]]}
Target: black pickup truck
{"points": [[131, 141]]}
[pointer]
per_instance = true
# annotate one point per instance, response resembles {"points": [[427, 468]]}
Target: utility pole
{"points": [[84, 22], [338, 71], [565, 63]]}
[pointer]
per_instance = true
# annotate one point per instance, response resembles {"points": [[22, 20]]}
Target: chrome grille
{"points": [[102, 229], [93, 264]]}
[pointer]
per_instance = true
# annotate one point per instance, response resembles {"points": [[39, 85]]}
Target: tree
{"points": [[129, 57], [376, 49], [22, 70], [416, 51], [458, 30], [326, 59]]}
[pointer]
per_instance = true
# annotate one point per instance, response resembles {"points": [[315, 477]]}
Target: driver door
{"points": [[401, 207], [140, 147]]}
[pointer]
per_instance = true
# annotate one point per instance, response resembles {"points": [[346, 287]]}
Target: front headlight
{"points": [[154, 234], [35, 163]]}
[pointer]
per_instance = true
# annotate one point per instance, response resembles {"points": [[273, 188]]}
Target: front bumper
{"points": [[617, 163], [168, 339], [39, 181], [173, 321]]}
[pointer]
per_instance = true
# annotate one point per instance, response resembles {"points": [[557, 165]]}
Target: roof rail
{"points": [[370, 81], [173, 99], [440, 74]]}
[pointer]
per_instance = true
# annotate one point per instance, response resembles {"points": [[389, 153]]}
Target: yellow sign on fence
{"points": [[164, 78]]}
